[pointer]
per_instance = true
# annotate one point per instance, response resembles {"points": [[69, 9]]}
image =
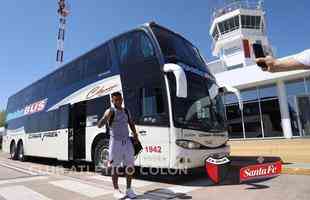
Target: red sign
{"points": [[253, 172]]}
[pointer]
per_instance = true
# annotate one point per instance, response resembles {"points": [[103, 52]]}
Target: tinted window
{"points": [[43, 121], [230, 98], [252, 121], [125, 47], [152, 102], [63, 115], [295, 87], [236, 20], [234, 121], [268, 92], [221, 27], [251, 22], [94, 63], [229, 25], [175, 48], [146, 47], [257, 22], [215, 34], [97, 61], [249, 95], [152, 107], [96, 108], [134, 47], [271, 118]]}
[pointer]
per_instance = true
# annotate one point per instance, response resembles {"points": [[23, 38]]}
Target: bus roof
{"points": [[93, 49]]}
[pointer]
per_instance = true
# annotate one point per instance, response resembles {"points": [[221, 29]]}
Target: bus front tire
{"points": [[101, 156], [13, 152]]}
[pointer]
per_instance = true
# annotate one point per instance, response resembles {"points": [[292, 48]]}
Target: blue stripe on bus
{"points": [[61, 94]]}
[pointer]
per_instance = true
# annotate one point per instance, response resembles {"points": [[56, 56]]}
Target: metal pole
{"points": [[63, 12]]}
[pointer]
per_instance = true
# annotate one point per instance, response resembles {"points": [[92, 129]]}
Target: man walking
{"points": [[121, 151]]}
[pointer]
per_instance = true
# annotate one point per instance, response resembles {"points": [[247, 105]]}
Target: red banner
{"points": [[260, 171]]}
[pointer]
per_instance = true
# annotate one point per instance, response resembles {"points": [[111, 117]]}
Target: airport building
{"points": [[276, 105]]}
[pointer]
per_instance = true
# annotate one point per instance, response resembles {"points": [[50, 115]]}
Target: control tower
{"points": [[234, 28]]}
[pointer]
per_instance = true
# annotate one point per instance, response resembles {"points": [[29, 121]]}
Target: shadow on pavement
{"points": [[159, 194]]}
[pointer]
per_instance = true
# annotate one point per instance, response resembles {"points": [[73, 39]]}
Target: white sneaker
{"points": [[130, 194], [118, 194]]}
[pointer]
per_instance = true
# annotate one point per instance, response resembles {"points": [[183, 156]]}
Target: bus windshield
{"points": [[200, 110], [177, 49]]}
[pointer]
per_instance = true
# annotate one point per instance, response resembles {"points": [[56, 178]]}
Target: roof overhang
{"points": [[252, 76]]}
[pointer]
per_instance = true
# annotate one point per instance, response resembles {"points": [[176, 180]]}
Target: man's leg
{"points": [[129, 170], [115, 162], [115, 178], [129, 162]]}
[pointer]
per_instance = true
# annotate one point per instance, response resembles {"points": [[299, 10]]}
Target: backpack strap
{"points": [[127, 113], [113, 115]]}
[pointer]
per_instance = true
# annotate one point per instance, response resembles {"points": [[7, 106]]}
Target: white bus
{"points": [[173, 99]]}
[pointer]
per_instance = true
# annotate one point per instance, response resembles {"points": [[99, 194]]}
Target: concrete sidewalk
{"points": [[296, 168]]}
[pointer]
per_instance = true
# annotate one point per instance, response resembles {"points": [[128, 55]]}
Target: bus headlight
{"points": [[188, 144]]}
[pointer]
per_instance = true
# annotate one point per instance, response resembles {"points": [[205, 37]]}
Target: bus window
{"points": [[134, 47], [96, 108], [98, 61], [63, 113], [146, 46], [176, 49], [152, 102], [124, 48]]}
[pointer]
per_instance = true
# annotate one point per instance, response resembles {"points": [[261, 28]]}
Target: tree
{"points": [[2, 122], [2, 118]]}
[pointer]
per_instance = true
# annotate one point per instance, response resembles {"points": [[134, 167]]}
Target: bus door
{"points": [[77, 131], [153, 129]]}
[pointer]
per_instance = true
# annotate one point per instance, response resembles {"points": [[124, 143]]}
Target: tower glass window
{"points": [[215, 34], [229, 25], [250, 22]]}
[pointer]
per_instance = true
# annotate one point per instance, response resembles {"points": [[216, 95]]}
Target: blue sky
{"points": [[29, 28]]}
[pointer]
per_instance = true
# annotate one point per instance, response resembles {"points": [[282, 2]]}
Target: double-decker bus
{"points": [[173, 99]]}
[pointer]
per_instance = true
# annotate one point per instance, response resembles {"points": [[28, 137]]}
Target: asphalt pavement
{"points": [[48, 179]]}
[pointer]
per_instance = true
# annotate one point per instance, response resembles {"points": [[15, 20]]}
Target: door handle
{"points": [[142, 133]]}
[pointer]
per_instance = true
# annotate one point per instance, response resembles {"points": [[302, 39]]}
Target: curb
{"points": [[295, 171]]}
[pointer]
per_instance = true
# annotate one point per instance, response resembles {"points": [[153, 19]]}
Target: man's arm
{"points": [[106, 116], [298, 62]]}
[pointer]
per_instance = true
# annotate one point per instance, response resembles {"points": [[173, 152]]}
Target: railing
{"points": [[238, 4]]}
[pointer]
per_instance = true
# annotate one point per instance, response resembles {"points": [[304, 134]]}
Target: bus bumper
{"points": [[187, 158]]}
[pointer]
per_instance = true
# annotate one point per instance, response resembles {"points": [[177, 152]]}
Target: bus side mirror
{"points": [[180, 77]]}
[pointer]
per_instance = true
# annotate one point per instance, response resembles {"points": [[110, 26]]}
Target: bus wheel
{"points": [[101, 157], [13, 152], [20, 152]]}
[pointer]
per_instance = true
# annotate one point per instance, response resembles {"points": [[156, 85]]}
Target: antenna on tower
{"points": [[63, 12]]}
